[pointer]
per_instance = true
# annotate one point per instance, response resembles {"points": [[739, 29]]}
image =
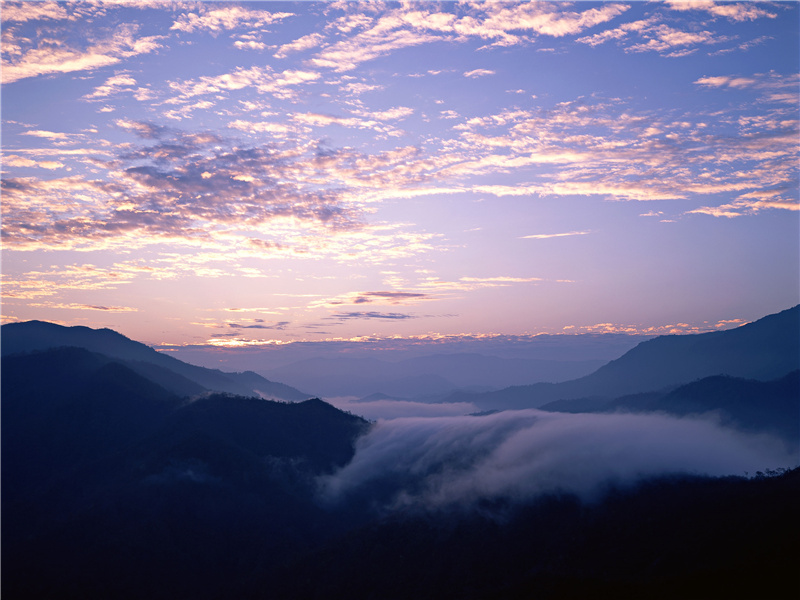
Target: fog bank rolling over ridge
{"points": [[518, 455]]}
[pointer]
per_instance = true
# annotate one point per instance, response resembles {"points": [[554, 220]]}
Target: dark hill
{"points": [[180, 377], [765, 349], [113, 487], [747, 404], [728, 538], [63, 408]]}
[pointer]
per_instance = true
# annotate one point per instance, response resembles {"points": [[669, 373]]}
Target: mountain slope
{"points": [[106, 475], [765, 349], [63, 408], [424, 375], [747, 404], [170, 372]]}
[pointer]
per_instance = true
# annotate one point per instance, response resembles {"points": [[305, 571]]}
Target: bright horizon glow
{"points": [[244, 174]]}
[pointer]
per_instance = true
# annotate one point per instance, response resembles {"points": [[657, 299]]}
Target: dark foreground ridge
{"points": [[115, 486]]}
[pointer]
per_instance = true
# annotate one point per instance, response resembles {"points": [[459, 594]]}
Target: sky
{"points": [[245, 174]]}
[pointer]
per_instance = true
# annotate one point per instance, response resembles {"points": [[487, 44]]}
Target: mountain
{"points": [[423, 375], [107, 475], [115, 487], [765, 349], [747, 404], [681, 537], [179, 377]]}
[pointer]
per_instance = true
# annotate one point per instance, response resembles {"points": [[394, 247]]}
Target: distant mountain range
{"points": [[762, 350], [174, 375], [116, 487], [430, 377], [746, 404]]}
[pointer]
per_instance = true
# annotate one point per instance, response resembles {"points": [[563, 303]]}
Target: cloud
{"points": [[640, 329], [725, 81], [50, 135], [142, 129], [417, 24], [737, 12], [383, 297], [20, 12], [549, 19], [249, 45], [12, 160], [259, 324], [427, 288], [76, 306], [228, 18], [112, 86], [658, 37], [306, 42], [387, 409], [199, 190], [478, 73], [52, 55], [750, 204], [86, 277], [261, 126], [398, 112], [617, 33], [346, 316], [262, 79], [663, 38], [544, 236], [517, 455], [347, 54]]}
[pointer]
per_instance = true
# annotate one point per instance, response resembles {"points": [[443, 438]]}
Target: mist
{"points": [[395, 409], [441, 462]]}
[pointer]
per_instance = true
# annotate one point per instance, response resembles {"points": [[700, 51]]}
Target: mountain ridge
{"points": [[764, 349], [178, 376]]}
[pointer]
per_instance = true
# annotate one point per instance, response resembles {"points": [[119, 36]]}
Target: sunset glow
{"points": [[236, 174]]}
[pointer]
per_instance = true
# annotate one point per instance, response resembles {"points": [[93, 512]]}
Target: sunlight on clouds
{"points": [[75, 306], [549, 19], [544, 236], [54, 56], [202, 142], [741, 11], [33, 11], [223, 19], [478, 73], [312, 40]]}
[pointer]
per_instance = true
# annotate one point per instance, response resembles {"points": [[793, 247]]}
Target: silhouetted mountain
{"points": [[747, 404], [677, 537], [63, 408], [425, 375], [177, 376], [765, 349], [113, 487]]}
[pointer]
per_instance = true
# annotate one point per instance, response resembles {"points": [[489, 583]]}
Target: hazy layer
{"points": [[516, 455]]}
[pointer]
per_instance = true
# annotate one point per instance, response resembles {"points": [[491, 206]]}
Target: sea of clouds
{"points": [[442, 461]]}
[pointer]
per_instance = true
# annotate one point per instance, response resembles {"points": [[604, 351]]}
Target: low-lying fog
{"points": [[437, 461], [387, 408]]}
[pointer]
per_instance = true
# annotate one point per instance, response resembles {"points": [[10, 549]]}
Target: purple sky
{"points": [[240, 173]]}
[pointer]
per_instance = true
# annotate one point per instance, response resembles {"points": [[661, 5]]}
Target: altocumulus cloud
{"points": [[517, 455]]}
